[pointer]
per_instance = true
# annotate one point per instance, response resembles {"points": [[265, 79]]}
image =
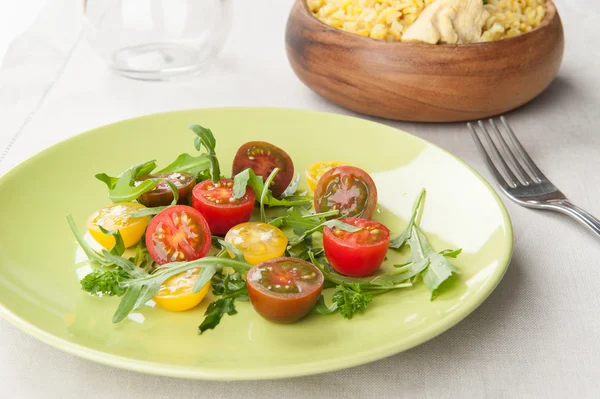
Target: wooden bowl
{"points": [[423, 82]]}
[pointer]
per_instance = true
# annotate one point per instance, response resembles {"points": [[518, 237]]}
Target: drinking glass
{"points": [[157, 39]]}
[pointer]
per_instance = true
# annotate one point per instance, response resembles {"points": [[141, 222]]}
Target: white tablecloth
{"points": [[538, 335]]}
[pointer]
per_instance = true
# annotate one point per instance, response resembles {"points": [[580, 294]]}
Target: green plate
{"points": [[40, 262]]}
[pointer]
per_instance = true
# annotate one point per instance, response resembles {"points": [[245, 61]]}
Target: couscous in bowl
{"points": [[420, 81]]}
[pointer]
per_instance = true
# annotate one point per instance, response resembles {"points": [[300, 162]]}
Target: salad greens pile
{"points": [[137, 279]]}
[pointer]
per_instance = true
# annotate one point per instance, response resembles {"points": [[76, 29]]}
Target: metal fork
{"points": [[519, 177]]}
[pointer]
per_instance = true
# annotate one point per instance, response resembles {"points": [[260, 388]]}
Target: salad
{"points": [[174, 234]]}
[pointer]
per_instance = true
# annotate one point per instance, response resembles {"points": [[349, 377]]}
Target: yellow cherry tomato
{"points": [[258, 242], [116, 217], [315, 171], [176, 294]]}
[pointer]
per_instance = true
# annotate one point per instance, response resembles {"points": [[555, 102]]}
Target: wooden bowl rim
{"points": [[551, 14]]}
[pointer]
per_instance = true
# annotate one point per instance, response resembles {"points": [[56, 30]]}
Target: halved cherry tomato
{"points": [[262, 158], [283, 290], [116, 217], [179, 233], [176, 294], [360, 253], [315, 171], [258, 242], [218, 205], [161, 195], [347, 189]]}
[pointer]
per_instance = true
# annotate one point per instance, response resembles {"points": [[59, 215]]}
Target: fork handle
{"points": [[582, 216]]}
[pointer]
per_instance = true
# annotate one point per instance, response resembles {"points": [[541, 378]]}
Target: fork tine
{"points": [[518, 169], [512, 179], [535, 172], [501, 180]]}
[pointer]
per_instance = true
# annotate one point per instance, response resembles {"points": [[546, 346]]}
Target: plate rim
{"points": [[271, 372]]}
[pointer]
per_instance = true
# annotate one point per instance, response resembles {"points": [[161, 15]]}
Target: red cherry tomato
{"points": [[179, 233], [283, 290], [217, 204], [348, 189], [360, 253], [262, 158]]}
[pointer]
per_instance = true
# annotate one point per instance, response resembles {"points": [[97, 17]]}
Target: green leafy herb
{"points": [[229, 287], [386, 281], [334, 223], [229, 283], [124, 187], [350, 299], [302, 220], [188, 163], [104, 281], [119, 247], [451, 253], [139, 213], [433, 267], [322, 308], [237, 254], [205, 138], [261, 189], [142, 258], [400, 240], [293, 187], [92, 255]]}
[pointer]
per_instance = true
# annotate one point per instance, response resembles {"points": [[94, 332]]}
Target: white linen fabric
{"points": [[538, 334]]}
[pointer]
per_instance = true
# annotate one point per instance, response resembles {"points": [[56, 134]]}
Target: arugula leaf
{"points": [[174, 190], [237, 254], [230, 287], [451, 253], [439, 268], [248, 177], [124, 188], [92, 255], [433, 267], [127, 303], [390, 280], [322, 309], [214, 313], [205, 138], [293, 187], [302, 220], [334, 223], [400, 240], [350, 299], [187, 163], [104, 281], [119, 247], [142, 258], [124, 264], [139, 213], [205, 275], [146, 285]]}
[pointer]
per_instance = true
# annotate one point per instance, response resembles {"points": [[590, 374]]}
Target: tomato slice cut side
{"points": [[222, 211], [315, 171], [258, 242], [179, 233], [117, 217], [176, 293], [356, 254], [283, 290], [161, 195], [348, 189], [262, 158]]}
